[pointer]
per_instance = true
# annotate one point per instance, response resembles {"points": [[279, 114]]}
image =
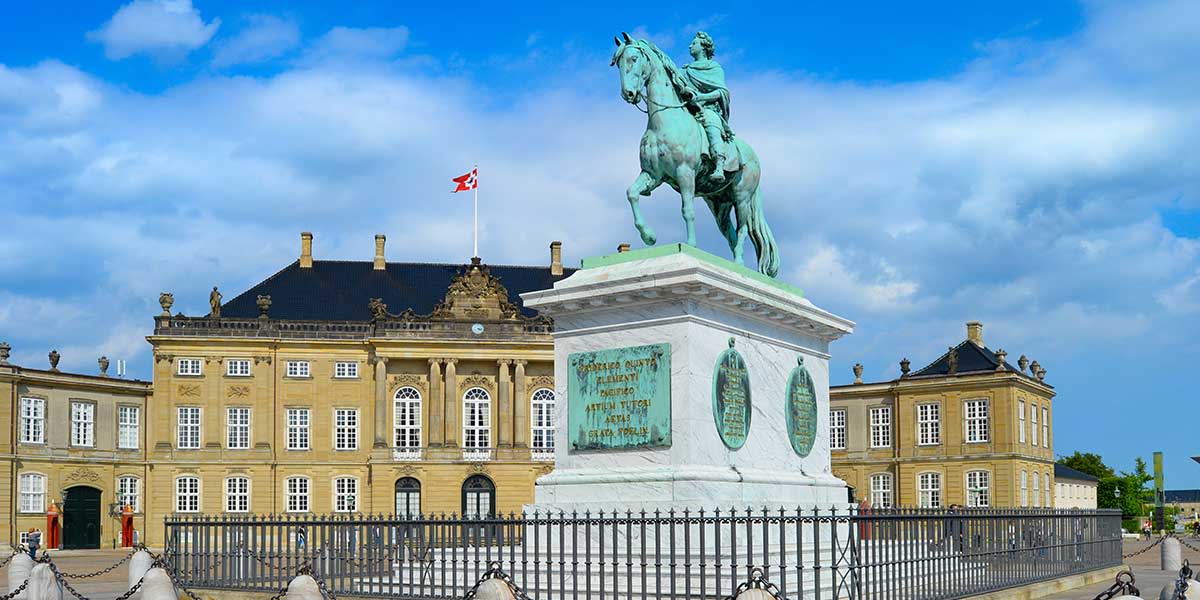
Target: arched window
{"points": [[542, 411], [187, 494], [33, 493], [237, 494], [979, 493], [406, 419], [129, 490], [1037, 490], [408, 497], [881, 490], [477, 419], [295, 494], [478, 497]]}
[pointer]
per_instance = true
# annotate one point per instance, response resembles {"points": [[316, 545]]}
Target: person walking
{"points": [[35, 542]]}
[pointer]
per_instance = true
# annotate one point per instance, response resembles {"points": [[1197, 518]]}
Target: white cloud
{"points": [[163, 28], [264, 37], [360, 43]]}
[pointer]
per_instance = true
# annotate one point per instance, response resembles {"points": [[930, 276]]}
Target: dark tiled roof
{"points": [[333, 290], [971, 359], [1182, 495], [1065, 472]]}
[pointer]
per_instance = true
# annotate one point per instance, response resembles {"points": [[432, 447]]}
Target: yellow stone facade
{"points": [[922, 440]]}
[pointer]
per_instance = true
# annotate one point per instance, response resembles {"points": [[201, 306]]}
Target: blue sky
{"points": [[1032, 165]]}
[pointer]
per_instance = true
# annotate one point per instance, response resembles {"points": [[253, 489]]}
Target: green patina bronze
{"points": [[801, 409], [731, 398], [689, 145], [620, 398]]}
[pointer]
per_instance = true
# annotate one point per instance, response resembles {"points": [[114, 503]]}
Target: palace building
{"points": [[356, 387], [74, 443], [969, 429]]}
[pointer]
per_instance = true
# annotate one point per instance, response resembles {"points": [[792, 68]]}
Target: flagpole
{"points": [[476, 227]]}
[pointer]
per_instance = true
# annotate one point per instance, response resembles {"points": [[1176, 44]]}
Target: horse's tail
{"points": [[764, 242]]}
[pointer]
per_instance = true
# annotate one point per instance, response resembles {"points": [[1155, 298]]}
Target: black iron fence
{"points": [[881, 554]]}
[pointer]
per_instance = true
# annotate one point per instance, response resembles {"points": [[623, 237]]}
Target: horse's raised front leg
{"points": [[642, 186], [686, 177]]}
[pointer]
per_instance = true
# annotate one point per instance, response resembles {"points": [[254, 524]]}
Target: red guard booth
{"points": [[864, 526], [53, 528], [127, 526]]}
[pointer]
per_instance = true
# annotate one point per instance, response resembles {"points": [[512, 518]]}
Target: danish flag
{"points": [[467, 182]]}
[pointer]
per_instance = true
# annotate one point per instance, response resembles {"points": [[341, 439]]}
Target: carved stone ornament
{"points": [[239, 391], [475, 293], [1000, 354], [54, 358], [166, 300], [409, 469], [471, 381], [407, 380], [905, 365], [542, 381], [858, 371], [378, 308], [264, 305], [1023, 362], [5, 352], [103, 362], [952, 362], [189, 391], [480, 467], [82, 474], [262, 359], [546, 469], [159, 357]]}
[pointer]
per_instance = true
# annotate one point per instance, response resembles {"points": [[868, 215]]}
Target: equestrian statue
{"points": [[689, 145]]}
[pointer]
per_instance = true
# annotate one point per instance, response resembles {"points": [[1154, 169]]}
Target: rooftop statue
{"points": [[689, 145]]}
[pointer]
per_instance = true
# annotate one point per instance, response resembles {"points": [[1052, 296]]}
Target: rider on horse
{"points": [[708, 99]]}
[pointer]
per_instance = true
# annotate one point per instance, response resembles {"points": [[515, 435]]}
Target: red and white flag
{"points": [[467, 182]]}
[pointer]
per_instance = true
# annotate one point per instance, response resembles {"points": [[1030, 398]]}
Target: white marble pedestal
{"points": [[695, 302]]}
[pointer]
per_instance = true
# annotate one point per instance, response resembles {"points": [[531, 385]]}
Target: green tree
{"points": [[1087, 462]]}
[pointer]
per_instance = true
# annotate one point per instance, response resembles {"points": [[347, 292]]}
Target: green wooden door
{"points": [[81, 518]]}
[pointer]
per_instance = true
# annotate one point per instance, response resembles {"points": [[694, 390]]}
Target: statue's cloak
{"points": [[708, 76]]}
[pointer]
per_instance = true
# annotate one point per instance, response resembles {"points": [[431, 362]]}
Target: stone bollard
{"points": [[157, 585], [1170, 555], [304, 587], [755, 594], [42, 584], [18, 571], [494, 589], [1168, 591], [139, 563]]}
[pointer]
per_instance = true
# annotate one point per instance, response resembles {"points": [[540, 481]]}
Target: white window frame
{"points": [[477, 423], [979, 488], [345, 494], [129, 491], [929, 424], [238, 421], [189, 367], [296, 494], [881, 427], [929, 489], [1033, 424], [298, 369], [1037, 490], [83, 424], [129, 429], [237, 494], [345, 429], [1021, 420], [837, 429], [1049, 502], [541, 419], [1025, 489], [33, 420], [31, 488], [188, 433], [976, 421], [345, 369], [406, 423], [237, 367], [882, 489], [298, 429], [1045, 426], [187, 494]]}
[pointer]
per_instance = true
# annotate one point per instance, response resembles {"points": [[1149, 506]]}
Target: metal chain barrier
{"points": [[10, 557], [1187, 545], [170, 570], [1123, 587], [16, 592], [757, 581], [101, 571], [1144, 550], [495, 572], [328, 595]]}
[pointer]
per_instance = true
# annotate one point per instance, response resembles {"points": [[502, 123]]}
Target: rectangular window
{"points": [[129, 493], [189, 366], [881, 490], [978, 489], [237, 367], [237, 495], [297, 368], [237, 428], [837, 429], [977, 420], [188, 427], [929, 424], [1024, 488], [1045, 427], [296, 494], [32, 493], [83, 424], [128, 427], [33, 421], [187, 494], [297, 428], [345, 429], [1033, 430], [1021, 421], [1046, 488], [1037, 489], [881, 427], [929, 490], [345, 370], [345, 494]]}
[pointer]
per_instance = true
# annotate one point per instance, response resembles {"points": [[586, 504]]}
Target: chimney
{"points": [[306, 250], [623, 247], [556, 258], [975, 332], [380, 263]]}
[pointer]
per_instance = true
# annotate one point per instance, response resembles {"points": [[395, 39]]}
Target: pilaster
{"points": [[380, 402], [503, 419], [521, 412], [435, 407], [451, 403]]}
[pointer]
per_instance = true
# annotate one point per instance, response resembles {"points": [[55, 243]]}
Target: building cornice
{"points": [[78, 381]]}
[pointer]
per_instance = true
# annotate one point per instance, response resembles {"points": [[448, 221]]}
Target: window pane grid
{"points": [[881, 427], [837, 430], [477, 411], [189, 366], [128, 493], [128, 423], [977, 420], [296, 494], [929, 428], [237, 428], [32, 493], [345, 429], [929, 488], [297, 368], [187, 494], [1033, 429], [345, 369], [237, 367], [978, 489], [188, 426], [407, 418], [1045, 427], [1021, 421], [345, 494], [82, 424], [237, 494], [297, 428], [33, 420], [543, 420], [881, 490]]}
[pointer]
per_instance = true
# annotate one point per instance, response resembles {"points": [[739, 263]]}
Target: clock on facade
{"points": [[477, 328]]}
